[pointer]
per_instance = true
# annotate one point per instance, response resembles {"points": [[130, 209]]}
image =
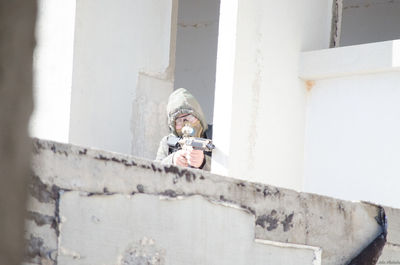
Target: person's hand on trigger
{"points": [[194, 157], [179, 158]]}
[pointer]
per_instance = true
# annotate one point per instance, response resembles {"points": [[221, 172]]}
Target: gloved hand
{"points": [[194, 157], [179, 158]]}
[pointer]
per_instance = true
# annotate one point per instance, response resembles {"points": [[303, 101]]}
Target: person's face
{"points": [[184, 118]]}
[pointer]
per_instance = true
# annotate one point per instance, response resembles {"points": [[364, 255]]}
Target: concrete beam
{"points": [[351, 60]]}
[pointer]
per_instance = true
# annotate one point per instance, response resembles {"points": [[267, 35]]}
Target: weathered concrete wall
{"points": [[122, 74], [190, 230], [352, 142], [17, 22], [196, 50], [133, 210]]}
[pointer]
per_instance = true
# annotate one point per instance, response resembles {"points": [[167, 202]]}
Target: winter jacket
{"points": [[180, 102]]}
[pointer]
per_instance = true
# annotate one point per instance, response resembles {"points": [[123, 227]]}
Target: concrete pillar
{"points": [[53, 70], [259, 111], [123, 65], [17, 22]]}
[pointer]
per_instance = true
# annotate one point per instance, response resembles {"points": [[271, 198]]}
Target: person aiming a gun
{"points": [[189, 142]]}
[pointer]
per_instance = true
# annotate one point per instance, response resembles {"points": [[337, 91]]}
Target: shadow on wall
{"points": [[17, 23]]}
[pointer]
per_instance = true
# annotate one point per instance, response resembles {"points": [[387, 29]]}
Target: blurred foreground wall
{"points": [[17, 21]]}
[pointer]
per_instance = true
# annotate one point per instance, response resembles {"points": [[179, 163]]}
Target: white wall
{"points": [[266, 129], [115, 43], [369, 21], [157, 231], [53, 70], [196, 50], [352, 139]]}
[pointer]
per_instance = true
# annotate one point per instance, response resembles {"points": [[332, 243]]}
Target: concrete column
{"points": [[224, 86], [17, 22], [53, 70], [123, 65], [263, 139]]}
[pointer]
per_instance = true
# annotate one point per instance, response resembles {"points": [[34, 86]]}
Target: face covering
{"points": [[192, 129]]}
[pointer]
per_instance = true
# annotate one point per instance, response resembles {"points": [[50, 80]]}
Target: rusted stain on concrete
{"points": [[309, 85]]}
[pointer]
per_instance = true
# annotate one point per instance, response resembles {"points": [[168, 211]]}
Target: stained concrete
{"points": [[147, 229], [42, 223], [340, 228]]}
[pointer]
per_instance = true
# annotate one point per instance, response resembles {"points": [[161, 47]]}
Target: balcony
{"points": [[94, 207]]}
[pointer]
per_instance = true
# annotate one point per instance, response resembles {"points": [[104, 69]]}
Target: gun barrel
{"points": [[210, 146], [198, 143]]}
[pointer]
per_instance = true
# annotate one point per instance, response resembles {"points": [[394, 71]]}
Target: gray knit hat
{"points": [[181, 101]]}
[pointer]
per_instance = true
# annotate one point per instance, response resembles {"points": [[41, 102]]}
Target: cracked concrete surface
{"points": [[340, 228]]}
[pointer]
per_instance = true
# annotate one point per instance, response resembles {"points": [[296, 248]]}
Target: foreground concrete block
{"points": [[147, 229], [279, 216]]}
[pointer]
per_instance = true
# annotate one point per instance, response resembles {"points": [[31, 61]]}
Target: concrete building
{"points": [[303, 97], [291, 106]]}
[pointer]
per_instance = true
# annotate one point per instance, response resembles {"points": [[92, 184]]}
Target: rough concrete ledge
{"points": [[340, 228], [370, 58]]}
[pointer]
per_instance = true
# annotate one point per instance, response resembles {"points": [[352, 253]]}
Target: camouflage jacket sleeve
{"points": [[165, 158], [162, 152]]}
